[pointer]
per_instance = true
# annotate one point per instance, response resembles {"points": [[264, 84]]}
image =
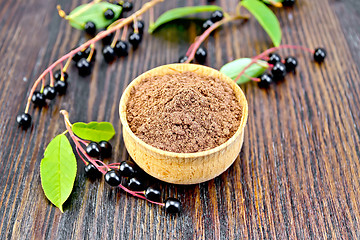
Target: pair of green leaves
{"points": [[93, 12], [58, 167], [261, 12]]}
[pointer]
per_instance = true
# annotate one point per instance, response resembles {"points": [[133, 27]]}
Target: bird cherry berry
{"points": [[105, 149], [49, 92], [127, 169], [183, 59], [274, 58], [208, 23], [153, 194], [93, 149], [107, 39], [121, 48], [108, 53], [60, 86], [290, 64], [113, 178], [134, 39], [24, 120], [319, 55], [200, 55], [288, 3], [109, 14], [140, 26], [172, 205], [216, 16], [38, 99], [127, 6], [57, 75], [91, 171], [135, 184], [84, 67], [90, 28], [278, 71], [265, 80]]}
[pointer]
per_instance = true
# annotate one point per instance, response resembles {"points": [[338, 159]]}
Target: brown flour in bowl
{"points": [[183, 112]]}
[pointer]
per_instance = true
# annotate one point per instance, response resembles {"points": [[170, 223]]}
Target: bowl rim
{"points": [[172, 69]]}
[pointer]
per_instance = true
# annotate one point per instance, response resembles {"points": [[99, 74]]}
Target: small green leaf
{"points": [[93, 12], [177, 13], [94, 131], [266, 18], [234, 68], [58, 170]]}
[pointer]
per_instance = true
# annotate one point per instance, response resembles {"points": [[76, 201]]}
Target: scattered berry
{"points": [[278, 71], [105, 149], [84, 67], [172, 205], [113, 178], [140, 26], [153, 194], [24, 120], [127, 6], [90, 28], [92, 172], [57, 75], [93, 149], [49, 92], [208, 23], [121, 48], [135, 184], [107, 39], [274, 58], [109, 14], [216, 16], [134, 39], [288, 3], [61, 86], [265, 80], [200, 55], [109, 54], [38, 99], [183, 59], [319, 55], [290, 64], [127, 169]]}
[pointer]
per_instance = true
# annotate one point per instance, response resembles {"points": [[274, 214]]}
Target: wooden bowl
{"points": [[183, 168]]}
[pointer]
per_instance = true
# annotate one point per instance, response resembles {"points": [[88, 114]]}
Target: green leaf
{"points": [[58, 170], [93, 12], [266, 18], [234, 68], [177, 13], [94, 131]]}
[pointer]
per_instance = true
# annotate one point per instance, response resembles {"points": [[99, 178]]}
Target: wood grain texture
{"points": [[298, 176]]}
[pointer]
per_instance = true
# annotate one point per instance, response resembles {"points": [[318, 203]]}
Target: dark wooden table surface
{"points": [[297, 175]]}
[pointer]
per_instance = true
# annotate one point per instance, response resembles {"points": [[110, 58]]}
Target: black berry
{"points": [[319, 55], [278, 71], [109, 54], [172, 205], [140, 26], [216, 16], [121, 48], [84, 67], [208, 23], [107, 39], [24, 120], [200, 55], [113, 178], [290, 64], [87, 52], [135, 184], [265, 80], [274, 58], [183, 59], [92, 172], [127, 169], [61, 86], [93, 149], [153, 194], [49, 92], [288, 3], [109, 14], [105, 149], [134, 39], [90, 28], [38, 99], [57, 75], [127, 6]]}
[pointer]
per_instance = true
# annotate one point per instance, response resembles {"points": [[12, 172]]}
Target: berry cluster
{"points": [[280, 67]]}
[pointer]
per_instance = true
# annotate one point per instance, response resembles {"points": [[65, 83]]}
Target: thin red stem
{"points": [[139, 196]]}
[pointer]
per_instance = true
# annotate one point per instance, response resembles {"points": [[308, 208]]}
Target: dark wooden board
{"points": [[297, 175]]}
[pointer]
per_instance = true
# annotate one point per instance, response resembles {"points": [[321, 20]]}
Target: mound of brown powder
{"points": [[183, 112]]}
